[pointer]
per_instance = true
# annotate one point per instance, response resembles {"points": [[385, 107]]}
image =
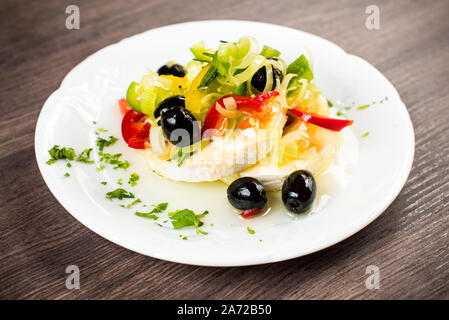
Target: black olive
{"points": [[179, 118], [175, 70], [247, 193], [172, 102], [259, 79], [299, 191]]}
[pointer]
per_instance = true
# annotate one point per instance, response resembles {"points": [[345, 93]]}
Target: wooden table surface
{"points": [[409, 242]]}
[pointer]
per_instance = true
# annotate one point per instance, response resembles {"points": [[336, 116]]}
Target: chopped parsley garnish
{"points": [[67, 174], [119, 194], [128, 206], [85, 156], [114, 160], [101, 167], [69, 165], [330, 104], [160, 207], [94, 122], [363, 107], [250, 231], [120, 181], [60, 154], [146, 215], [121, 165], [102, 130], [186, 218], [133, 179], [366, 133], [157, 209], [102, 143], [104, 183]]}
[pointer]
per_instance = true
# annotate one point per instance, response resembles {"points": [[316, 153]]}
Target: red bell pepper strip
{"points": [[322, 121], [251, 213], [215, 122], [265, 95], [124, 106], [135, 131]]}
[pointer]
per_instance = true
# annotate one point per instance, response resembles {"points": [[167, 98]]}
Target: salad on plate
{"points": [[241, 115]]}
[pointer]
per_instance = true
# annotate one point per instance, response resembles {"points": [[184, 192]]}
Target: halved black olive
{"points": [[175, 70], [259, 79], [180, 127], [299, 191], [247, 193]]}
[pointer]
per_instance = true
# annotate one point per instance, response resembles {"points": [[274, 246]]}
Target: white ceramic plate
{"points": [[90, 92]]}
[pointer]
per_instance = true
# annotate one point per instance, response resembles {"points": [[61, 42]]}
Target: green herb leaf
{"points": [[114, 160], [67, 174], [250, 231], [187, 218], [366, 133], [159, 208], [330, 104], [60, 154], [85, 156], [119, 194], [102, 143], [210, 75], [363, 107], [133, 179], [146, 215], [104, 183], [162, 206], [129, 205]]}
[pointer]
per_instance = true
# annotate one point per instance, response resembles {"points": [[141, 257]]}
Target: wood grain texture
{"points": [[38, 239]]}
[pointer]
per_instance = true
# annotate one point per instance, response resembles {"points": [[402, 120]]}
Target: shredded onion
{"points": [[283, 89], [230, 104], [158, 141], [299, 97], [256, 64], [252, 52], [227, 113], [269, 77]]}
